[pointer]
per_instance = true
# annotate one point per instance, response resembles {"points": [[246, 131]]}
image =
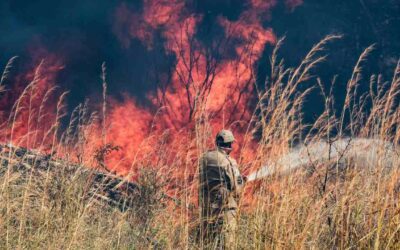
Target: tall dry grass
{"points": [[335, 203]]}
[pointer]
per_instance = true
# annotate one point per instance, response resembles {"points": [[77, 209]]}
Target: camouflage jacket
{"points": [[220, 183]]}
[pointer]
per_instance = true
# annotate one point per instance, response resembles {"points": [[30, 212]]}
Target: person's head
{"points": [[224, 140]]}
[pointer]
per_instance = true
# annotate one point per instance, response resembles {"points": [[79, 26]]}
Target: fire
{"points": [[210, 82], [28, 111]]}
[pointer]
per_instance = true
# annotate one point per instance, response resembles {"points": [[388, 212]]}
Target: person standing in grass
{"points": [[220, 187]]}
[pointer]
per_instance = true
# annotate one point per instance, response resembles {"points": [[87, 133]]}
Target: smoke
{"points": [[369, 153]]}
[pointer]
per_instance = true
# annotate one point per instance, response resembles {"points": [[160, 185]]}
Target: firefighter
{"points": [[220, 188]]}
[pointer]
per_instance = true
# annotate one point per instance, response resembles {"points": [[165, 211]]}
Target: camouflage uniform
{"points": [[220, 187]]}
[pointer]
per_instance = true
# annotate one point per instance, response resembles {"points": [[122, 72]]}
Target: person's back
{"points": [[217, 183], [220, 186]]}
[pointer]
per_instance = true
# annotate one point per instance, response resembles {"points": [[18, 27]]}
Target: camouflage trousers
{"points": [[220, 233]]}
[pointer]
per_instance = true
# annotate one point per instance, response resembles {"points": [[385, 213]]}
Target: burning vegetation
{"points": [[116, 173]]}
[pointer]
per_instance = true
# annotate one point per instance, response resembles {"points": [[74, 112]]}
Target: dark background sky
{"points": [[81, 32]]}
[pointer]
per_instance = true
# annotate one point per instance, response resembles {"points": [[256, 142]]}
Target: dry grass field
{"points": [[339, 197]]}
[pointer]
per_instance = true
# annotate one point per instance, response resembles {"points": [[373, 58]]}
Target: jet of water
{"points": [[369, 152]]}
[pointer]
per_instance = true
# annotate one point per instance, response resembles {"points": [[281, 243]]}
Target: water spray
{"points": [[371, 152]]}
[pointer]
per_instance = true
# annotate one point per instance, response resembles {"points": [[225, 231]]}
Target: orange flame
{"points": [[29, 115], [219, 89], [224, 86]]}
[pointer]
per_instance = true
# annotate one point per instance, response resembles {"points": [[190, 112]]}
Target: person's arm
{"points": [[240, 180]]}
